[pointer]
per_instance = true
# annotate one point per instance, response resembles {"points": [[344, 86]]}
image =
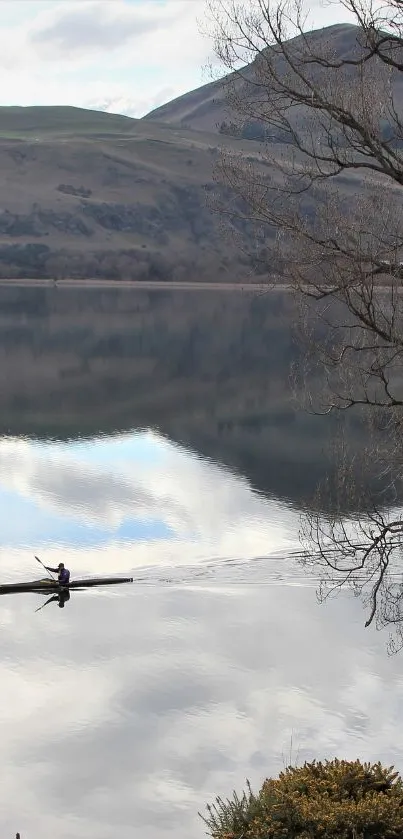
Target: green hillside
{"points": [[39, 121]]}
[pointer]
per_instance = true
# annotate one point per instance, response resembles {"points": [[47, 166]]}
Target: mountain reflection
{"points": [[207, 369]]}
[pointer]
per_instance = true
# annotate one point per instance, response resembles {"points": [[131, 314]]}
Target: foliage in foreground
{"points": [[336, 799]]}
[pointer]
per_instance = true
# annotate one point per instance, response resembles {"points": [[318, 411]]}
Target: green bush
{"points": [[336, 799]]}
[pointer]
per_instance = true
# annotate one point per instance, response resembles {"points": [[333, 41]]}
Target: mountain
{"points": [[205, 109], [87, 194]]}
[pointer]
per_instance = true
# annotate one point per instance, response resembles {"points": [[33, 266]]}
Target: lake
{"points": [[153, 434]]}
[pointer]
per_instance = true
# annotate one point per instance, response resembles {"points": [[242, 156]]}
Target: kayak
{"points": [[47, 584]]}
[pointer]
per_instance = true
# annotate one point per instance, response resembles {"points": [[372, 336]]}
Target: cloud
{"points": [[100, 25], [122, 33]]}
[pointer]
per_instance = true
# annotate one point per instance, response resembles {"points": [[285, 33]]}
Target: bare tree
{"points": [[325, 184]]}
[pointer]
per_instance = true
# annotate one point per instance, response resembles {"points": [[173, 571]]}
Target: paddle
{"points": [[44, 566], [50, 600]]}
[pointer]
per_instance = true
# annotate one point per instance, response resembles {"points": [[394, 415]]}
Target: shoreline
{"points": [[263, 287], [146, 285]]}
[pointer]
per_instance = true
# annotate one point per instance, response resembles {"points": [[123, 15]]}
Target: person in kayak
{"points": [[63, 574]]}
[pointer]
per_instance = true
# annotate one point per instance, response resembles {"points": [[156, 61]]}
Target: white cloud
{"points": [[76, 29]]}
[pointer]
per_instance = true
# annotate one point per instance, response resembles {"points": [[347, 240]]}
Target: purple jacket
{"points": [[63, 575]]}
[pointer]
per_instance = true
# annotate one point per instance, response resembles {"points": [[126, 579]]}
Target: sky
{"points": [[122, 56]]}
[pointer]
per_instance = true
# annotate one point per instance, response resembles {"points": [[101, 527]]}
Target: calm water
{"points": [[153, 434]]}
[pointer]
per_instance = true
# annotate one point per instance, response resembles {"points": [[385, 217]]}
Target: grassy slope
{"points": [[39, 121], [91, 186]]}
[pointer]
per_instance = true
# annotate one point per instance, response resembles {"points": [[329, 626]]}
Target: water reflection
{"points": [[61, 598], [208, 370], [119, 504], [123, 713], [129, 714]]}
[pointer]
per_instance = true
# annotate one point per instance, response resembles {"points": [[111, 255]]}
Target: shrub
{"points": [[336, 799]]}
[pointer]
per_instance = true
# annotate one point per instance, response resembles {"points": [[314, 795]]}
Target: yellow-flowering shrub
{"points": [[336, 799]]}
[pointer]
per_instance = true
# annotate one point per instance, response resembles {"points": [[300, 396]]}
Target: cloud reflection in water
{"points": [[128, 710]]}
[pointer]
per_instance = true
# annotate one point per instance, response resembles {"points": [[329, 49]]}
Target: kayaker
{"points": [[63, 574]]}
